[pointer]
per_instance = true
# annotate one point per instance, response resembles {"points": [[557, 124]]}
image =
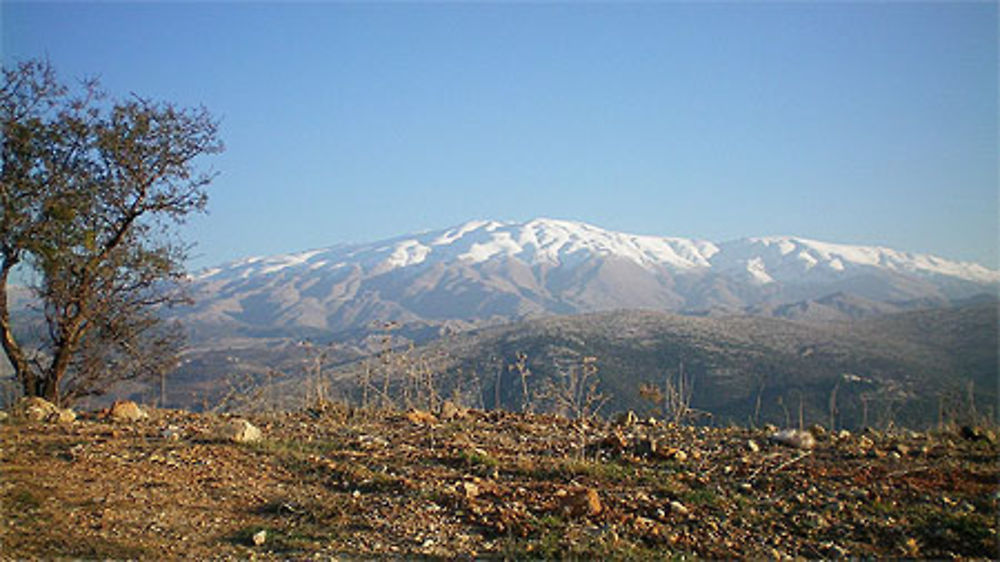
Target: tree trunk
{"points": [[71, 335], [22, 369]]}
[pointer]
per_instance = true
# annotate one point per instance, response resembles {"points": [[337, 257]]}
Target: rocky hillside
{"points": [[334, 483]]}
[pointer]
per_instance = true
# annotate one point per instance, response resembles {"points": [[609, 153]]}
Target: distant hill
{"points": [[897, 368]]}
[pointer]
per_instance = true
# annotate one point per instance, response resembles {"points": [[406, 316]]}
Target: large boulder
{"points": [[35, 408]]}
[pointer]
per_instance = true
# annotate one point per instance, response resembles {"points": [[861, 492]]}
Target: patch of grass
{"points": [[329, 512], [278, 539], [568, 469], [292, 447], [94, 548], [477, 458], [23, 499], [610, 471], [551, 521], [670, 488], [883, 507], [360, 477], [103, 549], [966, 534], [296, 455], [702, 496]]}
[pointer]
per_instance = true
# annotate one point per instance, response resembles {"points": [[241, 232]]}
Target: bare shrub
{"points": [[575, 393]]}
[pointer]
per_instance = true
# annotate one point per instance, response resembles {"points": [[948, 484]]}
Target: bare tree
{"points": [[89, 191]]}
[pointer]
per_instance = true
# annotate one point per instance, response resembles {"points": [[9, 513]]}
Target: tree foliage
{"points": [[90, 190]]}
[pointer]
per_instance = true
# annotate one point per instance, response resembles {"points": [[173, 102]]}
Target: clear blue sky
{"points": [[871, 123]]}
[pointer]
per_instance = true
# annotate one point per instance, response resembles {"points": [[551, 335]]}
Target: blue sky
{"points": [[869, 123]]}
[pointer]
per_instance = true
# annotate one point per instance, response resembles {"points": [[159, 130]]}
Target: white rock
{"points": [[679, 508], [795, 438], [241, 431], [259, 537]]}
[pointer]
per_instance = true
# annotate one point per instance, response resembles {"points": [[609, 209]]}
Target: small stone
{"points": [[582, 502], [753, 446], [901, 449], [469, 489], [3, 416], [644, 524], [126, 411], [675, 455], [817, 430], [241, 431], [421, 417], [63, 415], [451, 411], [171, 433], [372, 442], [911, 547], [795, 438], [260, 537], [843, 434], [679, 508]]}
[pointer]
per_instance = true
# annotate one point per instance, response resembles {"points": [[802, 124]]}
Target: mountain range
{"points": [[489, 272]]}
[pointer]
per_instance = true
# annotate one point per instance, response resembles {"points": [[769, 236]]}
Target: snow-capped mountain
{"points": [[485, 270]]}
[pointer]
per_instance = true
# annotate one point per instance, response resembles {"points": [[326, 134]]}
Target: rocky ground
{"points": [[332, 483]]}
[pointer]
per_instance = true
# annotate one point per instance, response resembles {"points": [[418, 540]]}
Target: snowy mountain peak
{"points": [[488, 270], [556, 242]]}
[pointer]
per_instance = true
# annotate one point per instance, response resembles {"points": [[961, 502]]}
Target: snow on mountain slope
{"points": [[489, 269], [561, 242], [541, 241], [790, 259]]}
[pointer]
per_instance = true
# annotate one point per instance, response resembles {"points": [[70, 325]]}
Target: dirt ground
{"points": [[339, 484]]}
